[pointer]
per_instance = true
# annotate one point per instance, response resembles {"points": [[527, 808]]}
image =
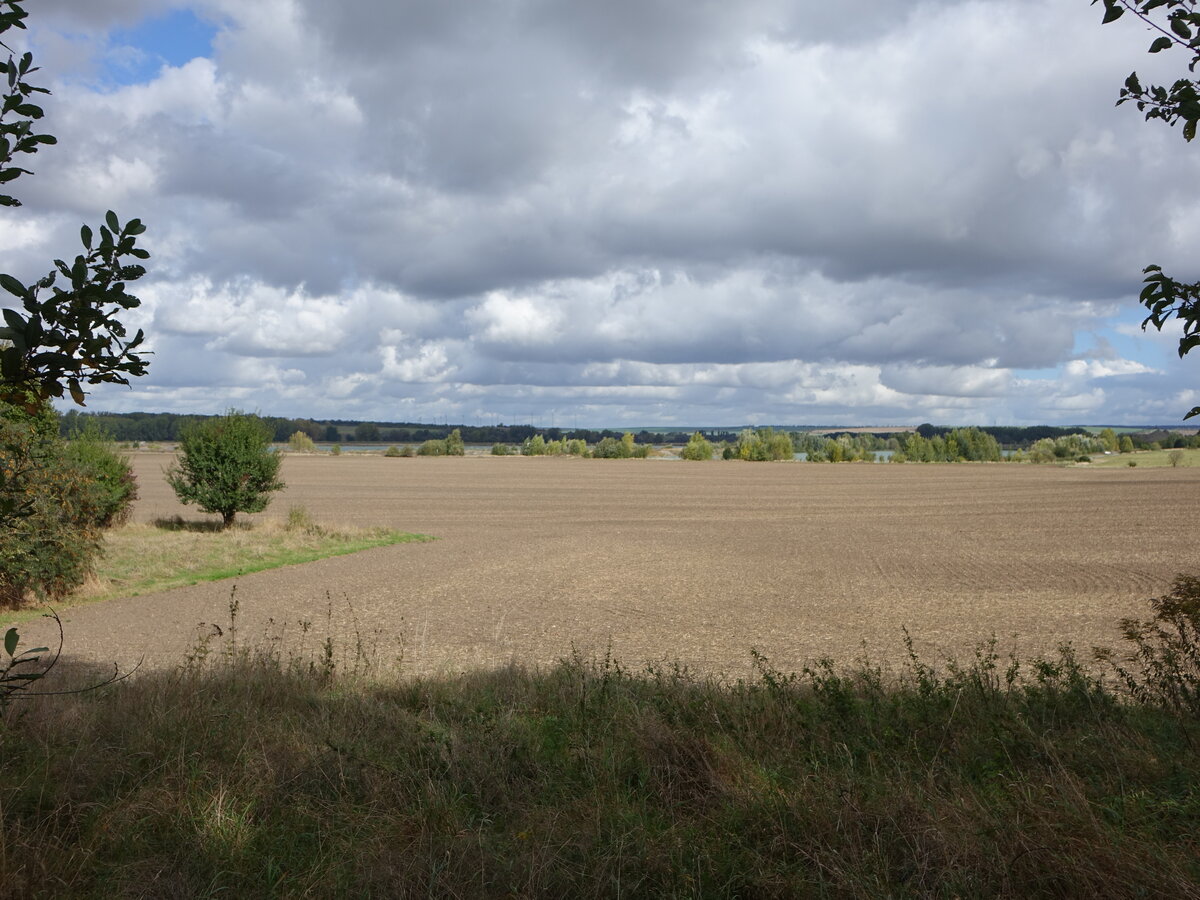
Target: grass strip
{"points": [[142, 558], [1150, 459]]}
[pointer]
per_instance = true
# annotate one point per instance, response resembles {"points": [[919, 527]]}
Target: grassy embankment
{"points": [[141, 558], [267, 774]]}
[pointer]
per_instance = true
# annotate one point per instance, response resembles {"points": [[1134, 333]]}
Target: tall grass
{"points": [[322, 771]]}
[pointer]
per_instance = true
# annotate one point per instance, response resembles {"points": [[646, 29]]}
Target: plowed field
{"points": [[691, 561]]}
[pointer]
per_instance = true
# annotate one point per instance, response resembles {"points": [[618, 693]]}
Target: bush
{"points": [[95, 454], [392, 451], [454, 444], [1176, 458], [610, 448], [698, 447], [335, 450], [301, 443], [534, 446], [432, 448], [1164, 666], [767, 444], [53, 509], [577, 447], [226, 465], [499, 449]]}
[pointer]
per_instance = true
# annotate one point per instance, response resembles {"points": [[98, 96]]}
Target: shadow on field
{"points": [[178, 523]]}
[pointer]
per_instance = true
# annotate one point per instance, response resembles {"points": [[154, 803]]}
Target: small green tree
{"points": [[226, 465], [454, 444], [301, 443], [1126, 444]]}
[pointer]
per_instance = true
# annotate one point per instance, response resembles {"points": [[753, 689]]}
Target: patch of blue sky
{"points": [[136, 55], [1124, 334]]}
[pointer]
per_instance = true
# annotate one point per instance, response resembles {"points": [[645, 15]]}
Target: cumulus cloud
{"points": [[636, 211]]}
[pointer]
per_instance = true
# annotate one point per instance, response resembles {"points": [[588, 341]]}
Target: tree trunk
{"points": [[227, 517]]}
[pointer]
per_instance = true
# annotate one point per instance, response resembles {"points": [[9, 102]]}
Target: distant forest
{"points": [[151, 427]]}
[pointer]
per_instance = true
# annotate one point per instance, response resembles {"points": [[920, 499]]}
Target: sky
{"points": [[630, 213]]}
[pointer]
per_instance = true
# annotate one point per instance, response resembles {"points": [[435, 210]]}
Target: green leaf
{"points": [[1112, 13], [1162, 43], [110, 219], [11, 639], [76, 391], [1189, 129], [1180, 27], [13, 286], [85, 235]]}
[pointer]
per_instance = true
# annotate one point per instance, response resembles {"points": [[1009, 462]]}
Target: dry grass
{"points": [[265, 774]]}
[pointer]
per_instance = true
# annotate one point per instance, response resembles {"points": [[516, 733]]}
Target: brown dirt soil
{"points": [[698, 562]]}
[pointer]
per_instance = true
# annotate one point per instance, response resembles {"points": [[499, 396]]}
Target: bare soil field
{"points": [[695, 562]]}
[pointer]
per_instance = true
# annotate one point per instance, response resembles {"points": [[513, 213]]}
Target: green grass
{"points": [[143, 558], [259, 773], [1149, 459]]}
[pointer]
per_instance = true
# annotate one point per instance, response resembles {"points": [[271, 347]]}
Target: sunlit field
{"points": [[696, 562]]}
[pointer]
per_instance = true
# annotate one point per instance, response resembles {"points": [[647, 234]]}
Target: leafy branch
{"points": [[1177, 24]]}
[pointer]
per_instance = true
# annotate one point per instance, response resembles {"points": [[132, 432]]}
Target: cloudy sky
{"points": [[635, 212]]}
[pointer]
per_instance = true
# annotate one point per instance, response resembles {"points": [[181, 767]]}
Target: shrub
{"points": [[96, 456], [54, 507], [1176, 458], [226, 465], [1163, 667], [1083, 459], [698, 447], [392, 451], [454, 444], [610, 448], [432, 448], [577, 447], [534, 446], [1132, 463], [301, 443], [499, 449], [335, 450]]}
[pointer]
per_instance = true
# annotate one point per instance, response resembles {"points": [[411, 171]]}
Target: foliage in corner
{"points": [[1176, 23], [226, 466], [17, 136]]}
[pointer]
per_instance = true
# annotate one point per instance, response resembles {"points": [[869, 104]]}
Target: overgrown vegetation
{"points": [[318, 772]]}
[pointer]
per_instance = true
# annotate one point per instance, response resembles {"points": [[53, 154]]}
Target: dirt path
{"points": [[694, 561]]}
